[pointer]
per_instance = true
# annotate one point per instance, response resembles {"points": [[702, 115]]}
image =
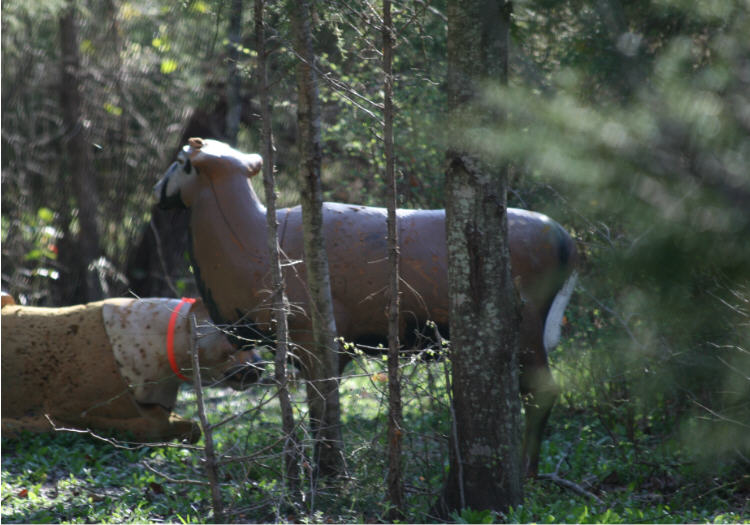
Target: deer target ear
{"points": [[197, 303], [199, 153], [8, 299], [193, 148], [254, 163]]}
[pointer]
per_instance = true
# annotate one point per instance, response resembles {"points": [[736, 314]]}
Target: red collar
{"points": [[170, 337]]}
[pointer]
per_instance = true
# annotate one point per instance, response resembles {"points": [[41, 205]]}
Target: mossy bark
{"points": [[485, 468], [323, 365]]}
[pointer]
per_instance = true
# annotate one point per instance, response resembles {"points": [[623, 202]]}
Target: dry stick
{"points": [[116, 443], [258, 453], [257, 408], [554, 477], [454, 428], [395, 416], [280, 302], [570, 485], [170, 479], [212, 470]]}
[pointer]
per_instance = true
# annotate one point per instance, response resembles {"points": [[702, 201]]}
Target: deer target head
{"points": [[198, 164]]}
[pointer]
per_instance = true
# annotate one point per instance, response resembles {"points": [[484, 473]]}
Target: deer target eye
{"points": [[187, 166]]}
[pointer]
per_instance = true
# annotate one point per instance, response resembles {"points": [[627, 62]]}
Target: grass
{"points": [[650, 483], [75, 478], [72, 478]]}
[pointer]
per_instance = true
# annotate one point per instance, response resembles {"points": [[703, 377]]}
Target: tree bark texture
{"points": [[234, 80], [79, 170], [280, 301], [323, 364], [395, 416], [484, 305]]}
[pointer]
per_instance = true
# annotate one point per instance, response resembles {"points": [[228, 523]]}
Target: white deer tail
{"points": [[555, 315]]}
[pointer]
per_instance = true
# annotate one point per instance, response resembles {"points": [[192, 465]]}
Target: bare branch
{"points": [[209, 456], [570, 485], [175, 480], [124, 445]]}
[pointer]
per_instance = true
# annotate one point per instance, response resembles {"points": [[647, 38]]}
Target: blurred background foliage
{"points": [[643, 125], [628, 122]]}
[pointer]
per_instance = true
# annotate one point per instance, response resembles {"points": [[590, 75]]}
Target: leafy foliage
{"points": [[143, 71]]}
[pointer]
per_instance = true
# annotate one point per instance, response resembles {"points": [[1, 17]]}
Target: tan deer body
{"points": [[104, 366]]}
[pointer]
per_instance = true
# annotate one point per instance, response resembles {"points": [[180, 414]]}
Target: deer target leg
{"points": [[538, 389], [14, 426]]}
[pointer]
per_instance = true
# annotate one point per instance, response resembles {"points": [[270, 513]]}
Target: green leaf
{"points": [[87, 47], [34, 255], [200, 7], [114, 110], [45, 214], [469, 515], [168, 66]]}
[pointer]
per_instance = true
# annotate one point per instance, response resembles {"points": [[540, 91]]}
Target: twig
{"points": [[210, 457], [454, 426], [259, 453], [564, 456], [175, 480], [346, 91], [718, 416], [291, 453], [623, 322], [124, 445], [257, 408], [395, 410], [570, 485]]}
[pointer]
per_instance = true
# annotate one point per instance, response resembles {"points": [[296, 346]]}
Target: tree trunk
{"points": [[485, 463], [323, 365], [280, 301], [78, 166], [234, 81], [395, 419]]}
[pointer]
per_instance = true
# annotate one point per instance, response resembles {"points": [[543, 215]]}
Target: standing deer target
{"points": [[229, 252]]}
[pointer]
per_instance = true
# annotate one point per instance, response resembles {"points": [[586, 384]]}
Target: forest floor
{"points": [[590, 473]]}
